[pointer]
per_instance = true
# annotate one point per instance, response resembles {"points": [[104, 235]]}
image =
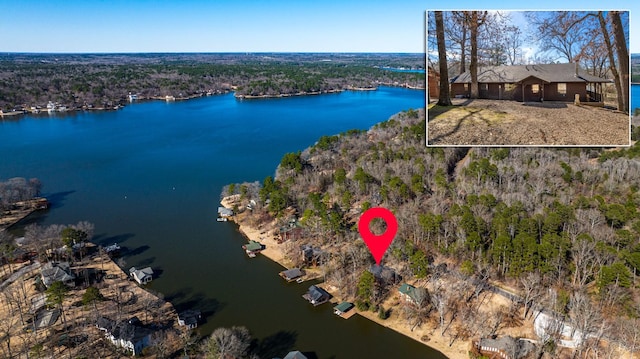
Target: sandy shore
{"points": [[275, 252]]}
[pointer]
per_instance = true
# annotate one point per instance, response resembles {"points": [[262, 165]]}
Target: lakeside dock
{"points": [[275, 252]]}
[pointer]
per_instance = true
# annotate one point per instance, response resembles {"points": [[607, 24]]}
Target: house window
{"points": [[484, 87], [562, 88], [466, 87], [535, 88], [510, 87]]}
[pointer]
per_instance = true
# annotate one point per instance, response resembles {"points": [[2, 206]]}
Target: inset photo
{"points": [[528, 78]]}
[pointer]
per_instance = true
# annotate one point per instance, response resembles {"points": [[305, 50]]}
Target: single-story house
{"points": [[532, 83], [142, 276], [316, 295], [129, 334], [224, 212], [291, 274], [407, 292], [189, 318], [57, 272], [506, 347]]}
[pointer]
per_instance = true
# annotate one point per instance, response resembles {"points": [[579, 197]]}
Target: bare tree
{"points": [[585, 318], [476, 19], [7, 327], [623, 58], [531, 284], [227, 343], [418, 309], [457, 31], [513, 45]]}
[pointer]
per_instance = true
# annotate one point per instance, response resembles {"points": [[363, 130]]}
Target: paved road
{"points": [[22, 271]]}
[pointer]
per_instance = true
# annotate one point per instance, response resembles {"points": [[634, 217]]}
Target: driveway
{"points": [[511, 123]]}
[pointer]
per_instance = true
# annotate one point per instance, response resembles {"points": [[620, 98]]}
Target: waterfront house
{"points": [[313, 256], [142, 276], [57, 272], [129, 334], [505, 347], [532, 83], [407, 292], [224, 212], [189, 318], [291, 274], [316, 295], [385, 275]]}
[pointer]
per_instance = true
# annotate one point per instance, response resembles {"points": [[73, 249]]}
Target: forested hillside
{"points": [[97, 81], [560, 225]]}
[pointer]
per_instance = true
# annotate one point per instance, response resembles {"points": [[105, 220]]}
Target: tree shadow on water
{"points": [[208, 307], [136, 251], [56, 200], [276, 345], [104, 240]]}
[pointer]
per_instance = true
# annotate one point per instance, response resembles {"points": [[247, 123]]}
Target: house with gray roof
{"points": [[291, 274], [506, 347], [57, 272], [130, 334], [189, 318], [142, 276], [532, 83], [316, 295]]}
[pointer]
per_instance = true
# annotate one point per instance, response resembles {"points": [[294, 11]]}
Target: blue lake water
{"points": [[635, 97], [149, 176]]}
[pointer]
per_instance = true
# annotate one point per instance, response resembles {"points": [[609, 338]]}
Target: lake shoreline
{"points": [[275, 252], [170, 98]]}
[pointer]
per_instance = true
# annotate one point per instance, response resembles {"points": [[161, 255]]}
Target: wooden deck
{"points": [[348, 314]]}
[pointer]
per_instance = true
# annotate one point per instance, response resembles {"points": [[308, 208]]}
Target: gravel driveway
{"points": [[506, 123]]}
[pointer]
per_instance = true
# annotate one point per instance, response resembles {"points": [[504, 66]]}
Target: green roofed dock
{"points": [[344, 310]]}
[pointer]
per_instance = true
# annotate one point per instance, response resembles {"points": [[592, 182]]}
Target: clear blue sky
{"points": [[240, 26]]}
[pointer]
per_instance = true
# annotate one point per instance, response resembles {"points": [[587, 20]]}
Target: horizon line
{"points": [[203, 52]]}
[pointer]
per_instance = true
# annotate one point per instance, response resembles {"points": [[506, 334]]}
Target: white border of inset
{"points": [[426, 79]]}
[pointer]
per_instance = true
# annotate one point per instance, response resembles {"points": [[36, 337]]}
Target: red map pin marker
{"points": [[378, 244]]}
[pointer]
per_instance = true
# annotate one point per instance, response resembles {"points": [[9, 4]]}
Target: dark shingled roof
{"points": [[517, 73], [292, 273]]}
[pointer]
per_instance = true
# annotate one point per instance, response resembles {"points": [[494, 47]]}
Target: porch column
{"points": [[541, 92], [523, 92]]}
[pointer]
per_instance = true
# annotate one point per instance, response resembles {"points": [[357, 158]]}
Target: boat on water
{"points": [[221, 219]]}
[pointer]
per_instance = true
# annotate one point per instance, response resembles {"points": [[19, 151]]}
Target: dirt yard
{"points": [[512, 123]]}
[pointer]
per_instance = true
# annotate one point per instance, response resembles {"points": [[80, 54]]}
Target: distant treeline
{"points": [[104, 81]]}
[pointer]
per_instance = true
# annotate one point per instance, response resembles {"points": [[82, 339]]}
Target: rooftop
{"points": [[513, 74]]}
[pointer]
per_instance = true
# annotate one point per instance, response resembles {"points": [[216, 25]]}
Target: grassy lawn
{"points": [[456, 114]]}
